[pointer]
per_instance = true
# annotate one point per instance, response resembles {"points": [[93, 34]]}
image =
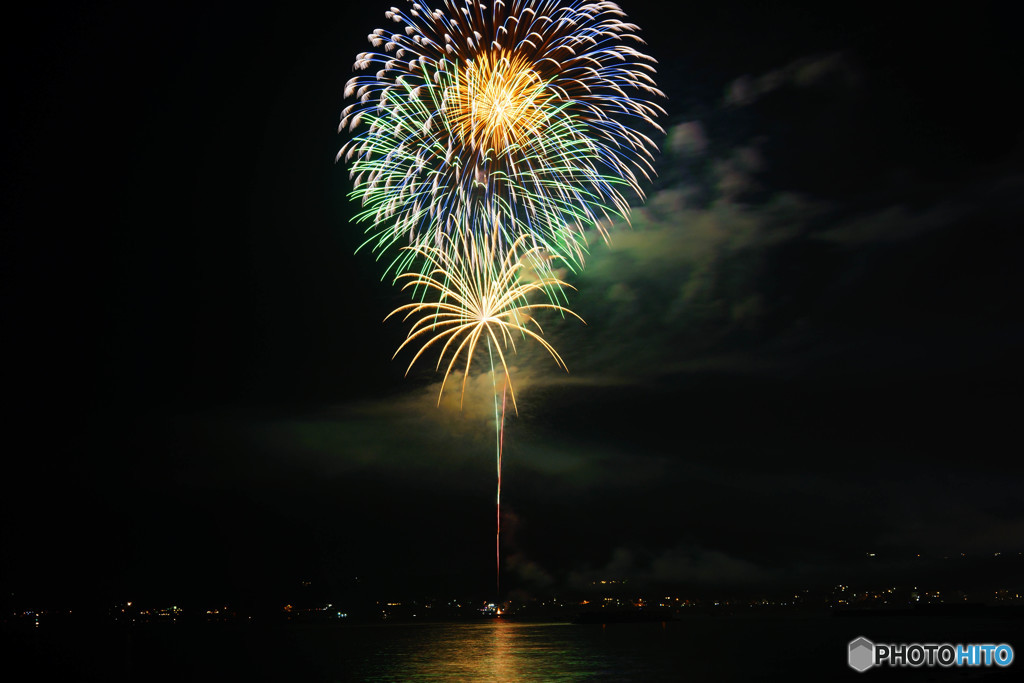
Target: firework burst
{"points": [[509, 116], [496, 135], [482, 293]]}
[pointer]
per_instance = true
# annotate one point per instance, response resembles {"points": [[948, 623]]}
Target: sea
{"points": [[701, 648]]}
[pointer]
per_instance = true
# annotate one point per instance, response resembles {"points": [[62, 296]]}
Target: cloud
{"points": [[979, 515], [902, 222], [410, 436], [687, 139], [702, 565], [687, 564], [736, 173], [831, 69], [728, 267], [528, 571], [685, 272], [892, 224], [407, 436]]}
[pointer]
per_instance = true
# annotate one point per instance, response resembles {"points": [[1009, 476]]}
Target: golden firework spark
{"points": [[496, 101], [482, 293]]}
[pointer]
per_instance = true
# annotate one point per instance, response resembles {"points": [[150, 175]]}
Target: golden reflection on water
{"points": [[503, 660], [495, 650], [695, 649]]}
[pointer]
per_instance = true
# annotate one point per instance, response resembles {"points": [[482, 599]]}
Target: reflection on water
{"points": [[731, 649], [500, 650], [487, 649], [495, 650]]}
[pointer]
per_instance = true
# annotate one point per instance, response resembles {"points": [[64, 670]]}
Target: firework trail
{"points": [[477, 291], [492, 135], [501, 447]]}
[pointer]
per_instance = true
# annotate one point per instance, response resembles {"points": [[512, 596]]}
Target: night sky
{"points": [[806, 347]]}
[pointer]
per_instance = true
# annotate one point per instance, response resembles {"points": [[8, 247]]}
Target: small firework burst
{"points": [[477, 292]]}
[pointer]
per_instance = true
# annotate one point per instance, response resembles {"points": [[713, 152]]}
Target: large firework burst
{"points": [[512, 116]]}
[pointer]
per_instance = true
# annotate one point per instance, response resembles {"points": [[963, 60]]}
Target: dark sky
{"points": [[805, 348]]}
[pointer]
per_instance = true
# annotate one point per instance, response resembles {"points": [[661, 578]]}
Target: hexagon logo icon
{"points": [[861, 654]]}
